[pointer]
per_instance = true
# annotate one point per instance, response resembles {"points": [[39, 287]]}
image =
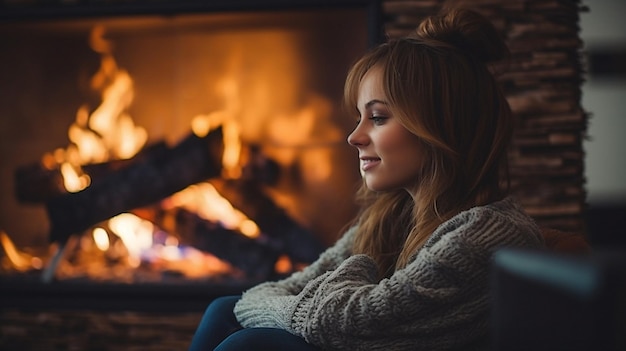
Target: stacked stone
{"points": [[542, 83]]}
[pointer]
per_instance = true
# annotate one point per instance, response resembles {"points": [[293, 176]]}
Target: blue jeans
{"points": [[219, 330]]}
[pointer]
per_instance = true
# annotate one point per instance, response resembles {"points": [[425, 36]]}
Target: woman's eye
{"points": [[378, 120]]}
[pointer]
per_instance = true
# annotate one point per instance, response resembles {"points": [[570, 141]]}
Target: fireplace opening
{"points": [[220, 134]]}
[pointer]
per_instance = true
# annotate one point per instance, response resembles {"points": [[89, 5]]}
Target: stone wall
{"points": [[543, 87]]}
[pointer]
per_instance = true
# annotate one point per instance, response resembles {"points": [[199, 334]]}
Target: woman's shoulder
{"points": [[498, 224]]}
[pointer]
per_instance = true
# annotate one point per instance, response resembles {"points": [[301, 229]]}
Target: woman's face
{"points": [[390, 156]]}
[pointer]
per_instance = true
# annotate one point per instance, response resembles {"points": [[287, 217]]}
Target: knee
{"points": [[217, 323], [222, 305], [219, 314], [264, 339]]}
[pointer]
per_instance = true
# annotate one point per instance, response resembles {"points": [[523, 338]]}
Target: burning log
{"points": [[282, 233], [139, 184], [35, 183], [250, 255]]}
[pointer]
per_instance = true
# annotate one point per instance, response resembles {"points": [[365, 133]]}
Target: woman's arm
{"points": [[292, 285], [440, 299]]}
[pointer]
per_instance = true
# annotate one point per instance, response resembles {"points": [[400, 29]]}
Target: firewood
{"points": [[139, 184], [253, 257], [279, 229], [36, 183]]}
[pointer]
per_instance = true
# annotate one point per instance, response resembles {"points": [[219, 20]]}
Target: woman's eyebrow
{"points": [[373, 102]]}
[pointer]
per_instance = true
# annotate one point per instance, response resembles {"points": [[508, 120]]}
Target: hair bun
{"points": [[466, 30]]}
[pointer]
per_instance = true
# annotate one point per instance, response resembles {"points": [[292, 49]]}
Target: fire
{"points": [[20, 261], [283, 265], [136, 234], [134, 241], [101, 239], [282, 122], [73, 179], [232, 150], [109, 131], [136, 246], [228, 88], [201, 125], [207, 202], [119, 135]]}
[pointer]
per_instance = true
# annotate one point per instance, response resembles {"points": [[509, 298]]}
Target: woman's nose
{"points": [[357, 137]]}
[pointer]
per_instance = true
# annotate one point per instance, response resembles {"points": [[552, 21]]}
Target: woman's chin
{"points": [[373, 186]]}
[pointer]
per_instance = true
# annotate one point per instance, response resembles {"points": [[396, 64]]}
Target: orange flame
{"points": [[101, 239], [135, 233], [137, 236], [19, 260], [109, 132], [206, 201]]}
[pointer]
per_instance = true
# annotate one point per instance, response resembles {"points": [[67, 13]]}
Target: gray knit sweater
{"points": [[439, 301]]}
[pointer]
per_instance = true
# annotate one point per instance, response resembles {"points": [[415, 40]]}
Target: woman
{"points": [[411, 273]]}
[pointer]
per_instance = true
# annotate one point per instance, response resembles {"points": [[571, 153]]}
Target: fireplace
{"points": [[192, 82], [178, 80]]}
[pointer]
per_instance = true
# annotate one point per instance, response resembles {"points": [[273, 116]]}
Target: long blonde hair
{"points": [[439, 86]]}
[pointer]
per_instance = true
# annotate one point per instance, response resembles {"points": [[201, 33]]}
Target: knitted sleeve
{"points": [[439, 301], [328, 260]]}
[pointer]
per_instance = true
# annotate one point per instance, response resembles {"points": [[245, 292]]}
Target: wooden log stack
{"points": [[542, 84], [141, 183]]}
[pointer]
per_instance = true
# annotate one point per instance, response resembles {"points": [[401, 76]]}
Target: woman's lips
{"points": [[368, 163]]}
